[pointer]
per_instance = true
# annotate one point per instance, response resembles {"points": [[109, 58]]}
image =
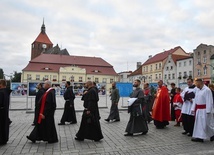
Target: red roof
{"points": [[43, 38], [70, 60], [179, 57], [137, 72], [52, 63], [161, 56]]}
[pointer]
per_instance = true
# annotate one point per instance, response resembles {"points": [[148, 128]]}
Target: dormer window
{"points": [[46, 68]]}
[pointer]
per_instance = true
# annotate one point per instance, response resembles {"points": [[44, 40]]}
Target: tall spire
{"points": [[43, 27]]}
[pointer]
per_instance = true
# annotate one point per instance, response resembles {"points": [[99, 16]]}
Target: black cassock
{"points": [[137, 122], [69, 114], [37, 104], [4, 115], [90, 126], [46, 131]]}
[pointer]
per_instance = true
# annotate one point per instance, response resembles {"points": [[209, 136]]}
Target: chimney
{"points": [[150, 56], [138, 64]]}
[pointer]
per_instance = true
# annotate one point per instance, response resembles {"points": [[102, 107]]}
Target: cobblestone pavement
{"points": [[166, 141]]}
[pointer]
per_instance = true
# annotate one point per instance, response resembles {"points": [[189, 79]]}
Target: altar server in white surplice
{"points": [[203, 109]]}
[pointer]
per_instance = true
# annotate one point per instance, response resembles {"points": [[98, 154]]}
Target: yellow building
{"points": [[152, 70], [52, 63]]}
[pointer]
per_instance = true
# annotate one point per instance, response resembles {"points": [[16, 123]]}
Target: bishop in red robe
{"points": [[161, 107]]}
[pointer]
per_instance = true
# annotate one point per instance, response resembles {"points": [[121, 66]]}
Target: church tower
{"points": [[41, 44]]}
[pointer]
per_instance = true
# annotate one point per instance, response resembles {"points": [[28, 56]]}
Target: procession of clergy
{"points": [[192, 106]]}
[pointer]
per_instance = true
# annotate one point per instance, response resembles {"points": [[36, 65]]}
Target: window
{"points": [[167, 68], [171, 68], [198, 53], [54, 78], [71, 78], [169, 76], [89, 78], [169, 61], [159, 65], [104, 80], [199, 72], [199, 61], [185, 73], [159, 76], [144, 69], [179, 64], [29, 77], [204, 51], [63, 78], [96, 80], [151, 68], [156, 76], [173, 76], [184, 63], [205, 59], [147, 68], [205, 70], [46, 77], [80, 79], [165, 76], [156, 66], [190, 73], [190, 62], [37, 77], [111, 80]]}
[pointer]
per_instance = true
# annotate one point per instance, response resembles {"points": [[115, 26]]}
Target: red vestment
{"points": [[43, 105], [161, 107], [177, 99]]}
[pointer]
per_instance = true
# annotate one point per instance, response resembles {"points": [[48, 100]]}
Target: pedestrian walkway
{"points": [[167, 141]]}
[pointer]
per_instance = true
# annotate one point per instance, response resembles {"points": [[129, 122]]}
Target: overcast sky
{"points": [[122, 32]]}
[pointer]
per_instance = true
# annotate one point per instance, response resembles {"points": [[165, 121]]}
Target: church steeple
{"points": [[43, 27]]}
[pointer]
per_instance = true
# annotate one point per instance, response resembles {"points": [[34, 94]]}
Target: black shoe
{"points": [[189, 134], [128, 134], [184, 133], [107, 120], [145, 132], [30, 139], [97, 140], [78, 139], [197, 140], [212, 138], [116, 120], [160, 127], [61, 123]]}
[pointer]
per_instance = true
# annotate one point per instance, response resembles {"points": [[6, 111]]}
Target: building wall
{"points": [[67, 72], [203, 68], [152, 72], [184, 66], [169, 71]]}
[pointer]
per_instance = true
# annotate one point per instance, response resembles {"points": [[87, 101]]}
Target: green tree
{"points": [[1, 73], [16, 77]]}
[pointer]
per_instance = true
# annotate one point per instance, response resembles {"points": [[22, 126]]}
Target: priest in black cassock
{"points": [[90, 126], [45, 128], [137, 121], [39, 94], [69, 114], [4, 112]]}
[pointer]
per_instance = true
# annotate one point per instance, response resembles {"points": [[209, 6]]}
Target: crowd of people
{"points": [[191, 107]]}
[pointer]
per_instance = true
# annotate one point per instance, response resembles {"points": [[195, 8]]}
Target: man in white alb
{"points": [[203, 109]]}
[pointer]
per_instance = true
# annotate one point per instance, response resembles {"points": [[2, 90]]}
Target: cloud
{"points": [[122, 32]]}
